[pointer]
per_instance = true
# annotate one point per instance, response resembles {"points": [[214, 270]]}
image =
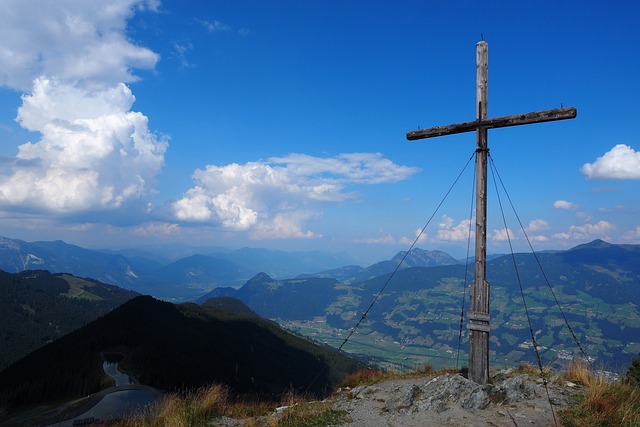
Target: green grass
{"points": [[79, 288]]}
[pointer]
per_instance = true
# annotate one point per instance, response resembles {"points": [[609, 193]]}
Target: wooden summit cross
{"points": [[479, 294]]}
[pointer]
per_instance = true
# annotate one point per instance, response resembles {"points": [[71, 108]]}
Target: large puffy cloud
{"points": [[275, 198], [621, 162], [73, 59], [94, 151], [72, 40]]}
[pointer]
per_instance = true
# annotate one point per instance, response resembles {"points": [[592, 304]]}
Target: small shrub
{"points": [[633, 373], [527, 368], [427, 369]]}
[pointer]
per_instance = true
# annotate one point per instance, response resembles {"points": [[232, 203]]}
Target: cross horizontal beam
{"points": [[498, 122]]}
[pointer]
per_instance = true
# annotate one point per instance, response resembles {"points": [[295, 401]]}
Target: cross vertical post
{"points": [[479, 317], [479, 294]]}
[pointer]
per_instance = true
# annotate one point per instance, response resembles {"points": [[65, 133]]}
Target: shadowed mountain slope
{"points": [[172, 348]]}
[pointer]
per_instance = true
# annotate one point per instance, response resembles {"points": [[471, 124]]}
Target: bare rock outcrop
{"points": [[450, 399]]}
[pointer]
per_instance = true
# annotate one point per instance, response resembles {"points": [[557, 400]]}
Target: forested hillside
{"points": [[37, 307]]}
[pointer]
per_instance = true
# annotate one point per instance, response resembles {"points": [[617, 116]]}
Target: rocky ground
{"points": [[512, 399], [452, 400]]}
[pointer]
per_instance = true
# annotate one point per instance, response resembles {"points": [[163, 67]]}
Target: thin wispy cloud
{"points": [[180, 51], [155, 228], [213, 26], [632, 236]]}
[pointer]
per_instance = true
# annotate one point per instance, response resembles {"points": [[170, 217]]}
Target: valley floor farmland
{"points": [[411, 354], [382, 350]]}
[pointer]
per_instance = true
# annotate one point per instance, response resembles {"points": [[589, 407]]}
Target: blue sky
{"points": [[282, 124]]}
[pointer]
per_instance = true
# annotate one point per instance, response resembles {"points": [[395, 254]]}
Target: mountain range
{"points": [[581, 302], [171, 273], [584, 298]]}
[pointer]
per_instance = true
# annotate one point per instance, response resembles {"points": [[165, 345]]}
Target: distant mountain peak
{"points": [[424, 258], [595, 244], [260, 277]]}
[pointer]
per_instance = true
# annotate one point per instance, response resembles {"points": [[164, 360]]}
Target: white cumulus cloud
{"points": [[586, 231], [534, 229], [538, 225], [502, 235], [621, 162], [72, 59], [448, 231], [275, 198], [563, 204], [72, 40]]}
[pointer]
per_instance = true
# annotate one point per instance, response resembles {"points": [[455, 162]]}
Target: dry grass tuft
{"points": [[579, 373], [605, 403], [365, 376], [210, 401], [183, 410], [372, 376], [204, 405], [526, 368]]}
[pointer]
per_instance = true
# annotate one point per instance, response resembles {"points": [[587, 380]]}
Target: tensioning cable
{"points": [[386, 283], [466, 269], [524, 302], [544, 274], [415, 241]]}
